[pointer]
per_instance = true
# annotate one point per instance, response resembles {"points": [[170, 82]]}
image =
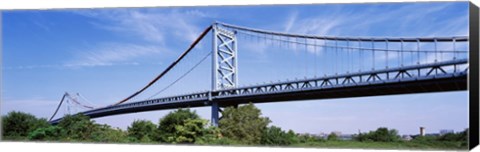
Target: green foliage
{"points": [[304, 138], [20, 124], [382, 145], [364, 137], [48, 133], [77, 127], [188, 132], [332, 137], [181, 126], [425, 139], [195, 131], [106, 134], [461, 136], [292, 137], [449, 140], [382, 134], [276, 136], [449, 137], [218, 141], [142, 130], [212, 135], [80, 128], [243, 124], [239, 126]]}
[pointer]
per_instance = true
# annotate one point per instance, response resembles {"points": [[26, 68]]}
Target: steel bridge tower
{"points": [[224, 62]]}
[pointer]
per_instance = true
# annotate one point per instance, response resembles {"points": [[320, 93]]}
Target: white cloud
{"points": [[292, 18], [412, 23], [160, 32], [151, 26], [105, 54], [316, 26], [42, 25], [73, 65], [349, 23], [157, 32], [114, 53]]}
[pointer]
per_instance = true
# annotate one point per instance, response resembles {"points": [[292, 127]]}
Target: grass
{"points": [[412, 145], [385, 145]]}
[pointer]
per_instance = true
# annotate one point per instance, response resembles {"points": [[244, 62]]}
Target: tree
{"points": [[16, 124], [142, 130], [382, 134], [189, 131], [105, 133], [463, 137], [212, 135], [77, 127], [362, 137], [276, 136], [332, 137], [293, 138], [47, 133], [305, 138], [460, 136], [243, 124], [385, 135], [167, 125]]}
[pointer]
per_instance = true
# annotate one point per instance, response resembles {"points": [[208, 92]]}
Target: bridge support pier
{"points": [[215, 111]]}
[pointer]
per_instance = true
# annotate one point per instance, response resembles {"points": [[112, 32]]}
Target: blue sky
{"points": [[107, 54]]}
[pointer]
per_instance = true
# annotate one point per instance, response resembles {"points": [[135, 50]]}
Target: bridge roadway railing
{"points": [[202, 96], [393, 75]]}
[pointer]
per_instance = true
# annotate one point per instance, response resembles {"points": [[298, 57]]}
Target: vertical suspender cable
{"points": [[373, 55], [435, 41], [348, 57], [325, 48], [386, 59], [315, 55], [306, 57], [401, 51], [336, 57], [411, 55], [418, 51], [360, 52], [454, 49]]}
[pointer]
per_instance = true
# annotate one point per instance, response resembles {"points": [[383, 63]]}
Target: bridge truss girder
{"points": [[421, 78]]}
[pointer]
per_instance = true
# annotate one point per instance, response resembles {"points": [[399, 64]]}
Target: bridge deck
{"points": [[410, 79]]}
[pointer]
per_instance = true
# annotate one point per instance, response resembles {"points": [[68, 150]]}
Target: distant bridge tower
{"points": [[225, 71]]}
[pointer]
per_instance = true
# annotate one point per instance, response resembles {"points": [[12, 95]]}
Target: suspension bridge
{"points": [[342, 67]]}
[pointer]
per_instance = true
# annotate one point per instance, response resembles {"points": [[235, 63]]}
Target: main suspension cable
{"points": [[364, 39], [168, 68], [78, 103], [58, 107]]}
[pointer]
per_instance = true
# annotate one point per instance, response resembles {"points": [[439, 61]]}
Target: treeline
{"points": [[238, 126], [449, 140], [243, 125]]}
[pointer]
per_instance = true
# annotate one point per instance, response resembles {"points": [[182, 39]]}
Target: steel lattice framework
{"points": [[225, 73]]}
